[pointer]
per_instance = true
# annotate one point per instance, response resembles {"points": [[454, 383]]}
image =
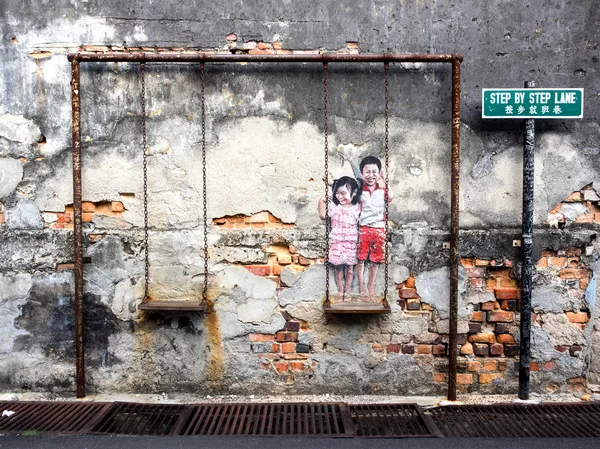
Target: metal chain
{"points": [[145, 163], [386, 68], [327, 221], [204, 207]]}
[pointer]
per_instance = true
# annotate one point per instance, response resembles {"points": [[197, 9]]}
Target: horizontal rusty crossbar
{"points": [[215, 57]]}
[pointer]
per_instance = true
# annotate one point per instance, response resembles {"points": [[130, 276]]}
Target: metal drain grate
{"points": [[392, 421], [519, 420], [322, 420], [49, 416], [141, 419]]}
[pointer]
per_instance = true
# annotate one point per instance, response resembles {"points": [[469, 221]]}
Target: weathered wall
{"points": [[267, 331]]}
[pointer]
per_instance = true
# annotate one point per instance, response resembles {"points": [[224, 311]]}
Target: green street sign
{"points": [[532, 103]]}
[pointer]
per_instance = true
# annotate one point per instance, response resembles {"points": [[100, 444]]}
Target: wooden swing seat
{"points": [[357, 308], [154, 305]]}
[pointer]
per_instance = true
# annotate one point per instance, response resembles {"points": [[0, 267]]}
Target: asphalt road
{"points": [[138, 442]]}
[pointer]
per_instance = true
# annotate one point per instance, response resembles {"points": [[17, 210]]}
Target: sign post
{"points": [[528, 104]]}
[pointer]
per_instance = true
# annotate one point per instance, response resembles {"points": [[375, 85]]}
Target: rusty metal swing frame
{"points": [[200, 57]]}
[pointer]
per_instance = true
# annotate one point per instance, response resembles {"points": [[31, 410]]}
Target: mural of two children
{"points": [[357, 234]]}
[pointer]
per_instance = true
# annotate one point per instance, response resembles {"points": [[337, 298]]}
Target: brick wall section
{"points": [[64, 220], [259, 220], [588, 197], [282, 353]]}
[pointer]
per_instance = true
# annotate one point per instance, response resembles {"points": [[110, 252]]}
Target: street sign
{"points": [[532, 103]]}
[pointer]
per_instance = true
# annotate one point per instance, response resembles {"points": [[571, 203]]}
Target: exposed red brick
{"points": [[286, 336], [507, 293], [474, 367], [275, 347], [574, 273], [259, 270], [408, 293], [393, 348], [413, 304], [439, 377], [477, 272], [481, 262], [298, 366], [549, 365], [583, 283], [489, 377], [487, 337], [490, 305], [117, 206], [264, 46], [410, 282], [478, 316], [557, 262], [464, 379], [288, 347], [542, 263], [261, 337], [500, 316], [86, 217], [477, 282], [282, 367], [467, 262], [496, 349], [377, 347], [505, 338], [466, 349], [88, 207], [295, 356], [577, 317], [534, 366], [490, 365], [439, 350], [508, 304], [277, 46], [481, 349], [65, 266], [423, 349], [408, 349]]}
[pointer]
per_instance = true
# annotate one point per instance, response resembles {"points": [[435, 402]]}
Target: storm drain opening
{"points": [[392, 421], [141, 419], [323, 420], [567, 420], [63, 417]]}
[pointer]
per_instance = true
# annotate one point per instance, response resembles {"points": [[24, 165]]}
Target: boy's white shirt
{"points": [[372, 207]]}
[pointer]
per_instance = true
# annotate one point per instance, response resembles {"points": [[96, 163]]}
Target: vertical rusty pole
{"points": [[527, 262], [77, 228], [454, 230]]}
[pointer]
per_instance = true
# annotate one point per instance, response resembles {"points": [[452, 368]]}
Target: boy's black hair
{"points": [[354, 186], [370, 160]]}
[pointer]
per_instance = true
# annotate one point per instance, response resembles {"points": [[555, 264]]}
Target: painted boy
{"points": [[371, 240]]}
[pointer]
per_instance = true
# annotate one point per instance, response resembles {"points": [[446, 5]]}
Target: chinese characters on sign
{"points": [[532, 103]]}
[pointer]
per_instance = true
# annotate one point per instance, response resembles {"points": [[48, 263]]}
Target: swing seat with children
{"points": [[356, 235]]}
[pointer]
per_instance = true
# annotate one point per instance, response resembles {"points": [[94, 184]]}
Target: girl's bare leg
{"points": [[339, 280], [349, 278]]}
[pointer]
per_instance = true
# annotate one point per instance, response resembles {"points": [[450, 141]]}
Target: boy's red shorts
{"points": [[370, 244]]}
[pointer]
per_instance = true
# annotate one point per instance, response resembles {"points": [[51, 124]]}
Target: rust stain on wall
{"points": [[214, 369]]}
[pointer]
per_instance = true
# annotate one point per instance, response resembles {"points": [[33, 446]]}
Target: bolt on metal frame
{"points": [[199, 57]]}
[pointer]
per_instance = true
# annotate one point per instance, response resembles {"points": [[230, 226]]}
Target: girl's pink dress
{"points": [[343, 238]]}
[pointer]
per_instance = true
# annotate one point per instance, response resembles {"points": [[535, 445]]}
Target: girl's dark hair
{"points": [[354, 186]]}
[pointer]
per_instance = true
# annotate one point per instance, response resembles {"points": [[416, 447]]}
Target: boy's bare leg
{"points": [[360, 275], [349, 278], [339, 280], [373, 268]]}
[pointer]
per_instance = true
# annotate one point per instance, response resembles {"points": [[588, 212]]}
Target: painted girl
{"points": [[343, 236]]}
